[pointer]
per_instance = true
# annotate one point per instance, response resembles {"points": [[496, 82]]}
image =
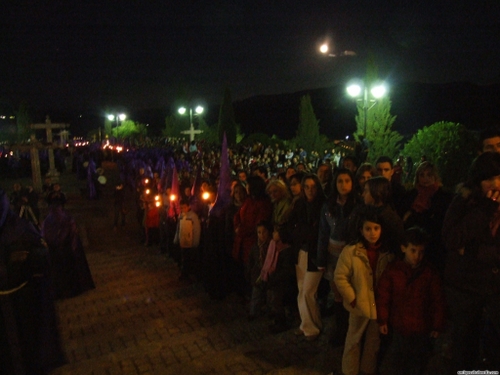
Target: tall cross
{"points": [[48, 126], [192, 132]]}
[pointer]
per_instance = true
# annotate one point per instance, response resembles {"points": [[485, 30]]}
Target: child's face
{"points": [[184, 208], [413, 254], [371, 232], [262, 234], [276, 236]]}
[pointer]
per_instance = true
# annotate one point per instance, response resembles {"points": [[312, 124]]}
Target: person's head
{"points": [[364, 173], [184, 205], [290, 171], [311, 187], [385, 167], [262, 172], [296, 183], [489, 140], [242, 175], [264, 231], [377, 191], [427, 175], [484, 173], [415, 240], [277, 190], [370, 227], [350, 162], [56, 186], [324, 173], [301, 167], [343, 183], [256, 187]]}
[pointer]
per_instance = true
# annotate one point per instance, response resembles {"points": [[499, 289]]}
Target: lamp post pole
{"points": [[377, 91], [365, 109], [192, 131], [118, 118]]}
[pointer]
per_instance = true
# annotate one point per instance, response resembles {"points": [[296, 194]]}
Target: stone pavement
{"points": [[141, 320]]}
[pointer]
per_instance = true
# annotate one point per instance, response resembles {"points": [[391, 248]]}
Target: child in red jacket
{"points": [[410, 303]]}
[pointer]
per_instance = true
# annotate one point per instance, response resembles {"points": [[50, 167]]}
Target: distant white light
{"points": [[199, 109], [323, 48], [111, 117], [182, 110], [122, 116]]}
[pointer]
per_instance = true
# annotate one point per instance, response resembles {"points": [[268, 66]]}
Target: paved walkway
{"points": [[141, 320]]}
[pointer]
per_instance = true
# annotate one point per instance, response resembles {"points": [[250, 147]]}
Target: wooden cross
{"points": [[48, 126], [192, 132]]}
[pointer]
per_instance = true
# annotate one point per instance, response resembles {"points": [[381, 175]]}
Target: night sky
{"points": [[131, 55]]}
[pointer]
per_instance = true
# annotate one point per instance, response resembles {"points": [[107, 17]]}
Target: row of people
{"points": [[316, 230]]}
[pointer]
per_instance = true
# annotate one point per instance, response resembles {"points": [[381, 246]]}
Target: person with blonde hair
{"points": [[281, 199]]}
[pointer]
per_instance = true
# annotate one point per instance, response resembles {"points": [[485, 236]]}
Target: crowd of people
{"points": [[304, 239], [298, 238]]}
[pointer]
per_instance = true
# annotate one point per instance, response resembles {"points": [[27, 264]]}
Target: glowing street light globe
{"points": [[323, 48], [182, 110], [378, 91], [111, 117], [122, 116], [199, 109], [354, 90]]}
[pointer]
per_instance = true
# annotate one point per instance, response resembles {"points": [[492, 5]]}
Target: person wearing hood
{"points": [[29, 336]]}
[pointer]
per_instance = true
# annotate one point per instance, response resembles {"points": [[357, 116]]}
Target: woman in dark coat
{"points": [[472, 270], [303, 227], [70, 271], [425, 206]]}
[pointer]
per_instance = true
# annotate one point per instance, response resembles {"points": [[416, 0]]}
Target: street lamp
{"points": [[192, 132], [199, 110], [117, 118], [377, 91]]}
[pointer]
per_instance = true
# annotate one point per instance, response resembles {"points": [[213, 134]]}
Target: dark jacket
{"points": [[431, 220], [473, 254], [303, 228]]}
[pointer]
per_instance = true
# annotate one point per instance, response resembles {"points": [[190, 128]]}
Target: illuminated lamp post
{"points": [[192, 131], [369, 98]]}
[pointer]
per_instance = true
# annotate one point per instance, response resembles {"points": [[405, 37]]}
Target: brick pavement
{"points": [[141, 320]]}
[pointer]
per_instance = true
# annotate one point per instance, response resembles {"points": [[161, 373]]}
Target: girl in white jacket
{"points": [[358, 269]]}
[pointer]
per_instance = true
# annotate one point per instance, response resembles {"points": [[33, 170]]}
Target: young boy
{"points": [[187, 237], [255, 263], [410, 303], [278, 273]]}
